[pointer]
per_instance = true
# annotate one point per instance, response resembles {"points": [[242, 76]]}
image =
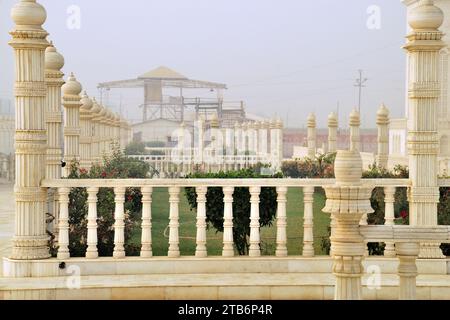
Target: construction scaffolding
{"points": [[158, 105]]}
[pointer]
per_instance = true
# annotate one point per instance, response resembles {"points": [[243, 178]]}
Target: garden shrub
{"points": [[241, 205]]}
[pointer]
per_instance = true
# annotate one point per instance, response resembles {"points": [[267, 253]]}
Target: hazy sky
{"points": [[284, 57]]}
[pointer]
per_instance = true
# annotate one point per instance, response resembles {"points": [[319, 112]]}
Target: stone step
{"points": [[210, 265], [253, 286]]}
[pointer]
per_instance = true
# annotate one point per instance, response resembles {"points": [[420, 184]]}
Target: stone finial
{"points": [[383, 115], [311, 120], [355, 119], [96, 108], [72, 87], [27, 15], [426, 16], [333, 120], [54, 61]]}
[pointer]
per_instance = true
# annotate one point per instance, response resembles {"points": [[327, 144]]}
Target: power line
{"points": [[360, 84]]}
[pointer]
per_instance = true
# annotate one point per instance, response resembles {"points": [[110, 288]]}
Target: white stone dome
{"points": [[53, 59], [96, 108], [426, 16], [86, 103], [332, 116], [72, 86], [383, 111], [28, 13]]}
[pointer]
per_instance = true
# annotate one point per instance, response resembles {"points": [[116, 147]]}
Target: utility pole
{"points": [[360, 84]]}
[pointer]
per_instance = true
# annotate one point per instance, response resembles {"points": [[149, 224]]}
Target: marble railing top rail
{"points": [[398, 233], [81, 183]]}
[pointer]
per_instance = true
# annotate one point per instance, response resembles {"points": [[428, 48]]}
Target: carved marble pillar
{"points": [[308, 222], [86, 132], [281, 250], [228, 242], [54, 62], [312, 136], [355, 123], [174, 224], [423, 46], [95, 147], [255, 238], [146, 238], [200, 251], [201, 140], [29, 42], [92, 237], [383, 136], [389, 218], [332, 132], [347, 201], [72, 103], [119, 223]]}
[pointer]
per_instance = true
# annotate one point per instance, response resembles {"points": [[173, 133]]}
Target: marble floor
{"points": [[6, 220]]}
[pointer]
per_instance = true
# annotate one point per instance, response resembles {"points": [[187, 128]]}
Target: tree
{"points": [[135, 148]]}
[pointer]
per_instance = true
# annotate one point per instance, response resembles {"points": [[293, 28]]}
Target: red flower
{"points": [[103, 174], [404, 214], [130, 198], [83, 171]]}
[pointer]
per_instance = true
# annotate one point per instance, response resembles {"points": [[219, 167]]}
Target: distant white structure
{"points": [[6, 134]]}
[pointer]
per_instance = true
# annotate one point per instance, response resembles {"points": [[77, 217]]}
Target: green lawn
{"points": [[160, 215]]}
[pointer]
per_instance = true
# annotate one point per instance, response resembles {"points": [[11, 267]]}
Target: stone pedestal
{"points": [[347, 201]]}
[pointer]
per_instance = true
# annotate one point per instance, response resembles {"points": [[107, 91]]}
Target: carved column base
{"points": [[30, 248], [308, 250]]}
